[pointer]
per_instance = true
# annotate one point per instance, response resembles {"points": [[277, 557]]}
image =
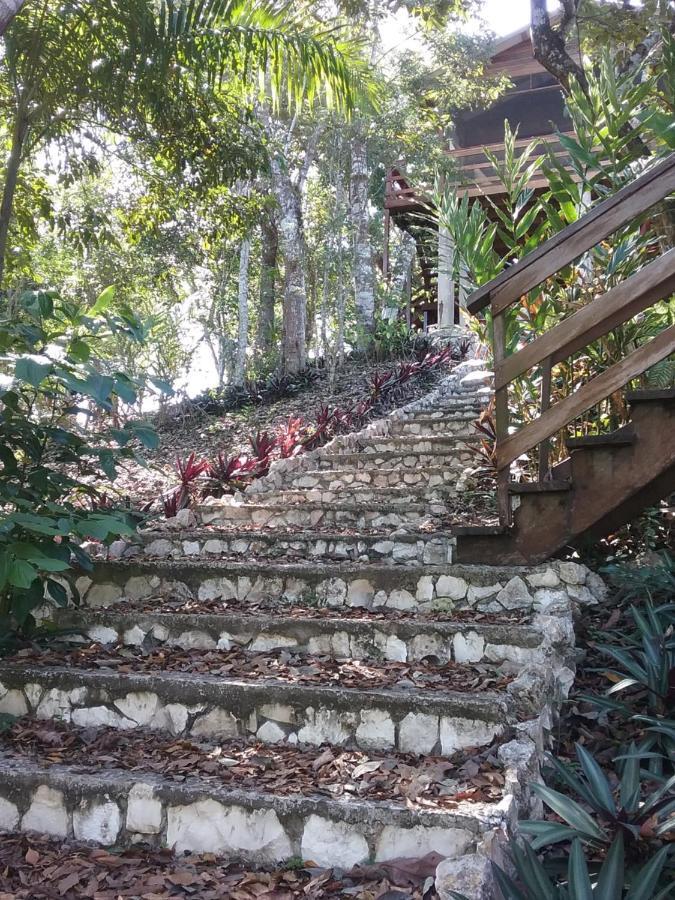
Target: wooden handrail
{"points": [[595, 390], [574, 240], [621, 303]]}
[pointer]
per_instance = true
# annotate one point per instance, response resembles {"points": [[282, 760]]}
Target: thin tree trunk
{"points": [[9, 188], [364, 276], [268, 275], [293, 350], [548, 43], [242, 309], [8, 9]]}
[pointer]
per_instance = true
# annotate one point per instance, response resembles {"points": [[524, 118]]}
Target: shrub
{"points": [[51, 468]]}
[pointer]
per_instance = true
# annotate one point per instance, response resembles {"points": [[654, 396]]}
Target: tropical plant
{"points": [[533, 882], [630, 805], [52, 467]]}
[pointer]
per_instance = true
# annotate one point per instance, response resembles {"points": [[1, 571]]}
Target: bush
{"points": [[52, 471]]}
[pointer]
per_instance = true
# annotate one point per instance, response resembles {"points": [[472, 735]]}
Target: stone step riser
{"points": [[297, 516], [122, 808], [450, 446], [331, 479], [436, 428], [210, 545], [404, 588], [394, 641], [212, 707], [361, 494], [393, 459], [424, 549]]}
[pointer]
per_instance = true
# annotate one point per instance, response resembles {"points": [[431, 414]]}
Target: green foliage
{"points": [[52, 381]]}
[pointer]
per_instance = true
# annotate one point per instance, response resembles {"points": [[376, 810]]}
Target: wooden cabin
{"points": [[535, 106]]}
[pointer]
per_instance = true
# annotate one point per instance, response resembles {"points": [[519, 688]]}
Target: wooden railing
{"points": [[652, 283]]}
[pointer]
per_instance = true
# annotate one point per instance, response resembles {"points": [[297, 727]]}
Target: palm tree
{"points": [[8, 9], [93, 59]]}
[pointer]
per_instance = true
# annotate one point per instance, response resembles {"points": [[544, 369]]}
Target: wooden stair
{"points": [[607, 479], [612, 478]]}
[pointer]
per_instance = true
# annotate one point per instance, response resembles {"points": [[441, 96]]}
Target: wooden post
{"points": [[385, 250], [545, 446], [501, 418]]}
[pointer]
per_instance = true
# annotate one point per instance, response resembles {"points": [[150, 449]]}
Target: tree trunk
{"points": [[8, 9], [242, 309], [364, 276], [548, 43], [293, 350], [9, 189], [401, 275], [268, 275]]}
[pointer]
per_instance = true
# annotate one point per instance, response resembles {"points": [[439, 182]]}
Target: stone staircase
{"points": [[353, 641]]}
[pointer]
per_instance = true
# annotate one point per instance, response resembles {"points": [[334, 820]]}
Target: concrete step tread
{"points": [[249, 767], [406, 441], [256, 827], [216, 533], [233, 666], [356, 633]]}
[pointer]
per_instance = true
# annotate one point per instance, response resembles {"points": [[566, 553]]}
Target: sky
{"points": [[506, 16]]}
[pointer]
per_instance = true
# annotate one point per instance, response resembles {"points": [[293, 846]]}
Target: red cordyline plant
{"points": [[190, 469], [263, 445], [178, 499]]}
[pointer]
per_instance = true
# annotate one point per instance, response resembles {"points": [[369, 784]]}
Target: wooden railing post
{"points": [[545, 446], [501, 418]]}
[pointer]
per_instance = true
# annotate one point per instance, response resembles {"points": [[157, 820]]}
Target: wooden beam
{"points": [[574, 240], [585, 397], [650, 284]]}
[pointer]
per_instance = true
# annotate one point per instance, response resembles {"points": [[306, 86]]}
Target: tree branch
{"points": [[548, 43]]}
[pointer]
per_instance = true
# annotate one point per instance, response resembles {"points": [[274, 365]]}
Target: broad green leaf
{"points": [[32, 371], [146, 435], [577, 873], [611, 877], [646, 880], [21, 573], [570, 811], [103, 301]]}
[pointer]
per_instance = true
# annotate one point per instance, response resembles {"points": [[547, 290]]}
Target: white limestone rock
{"points": [[468, 647], [97, 822], [160, 548], [13, 703], [265, 642], [459, 733], [271, 733], [395, 842], [216, 723], [332, 844], [139, 706], [360, 593], [103, 634], [403, 600], [133, 636], [471, 876], [418, 733], [210, 827], [515, 595], [376, 730], [325, 726], [547, 579], [195, 640], [47, 813], [100, 717], [144, 810], [425, 589], [55, 704], [101, 595], [138, 587], [9, 815], [572, 573]]}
